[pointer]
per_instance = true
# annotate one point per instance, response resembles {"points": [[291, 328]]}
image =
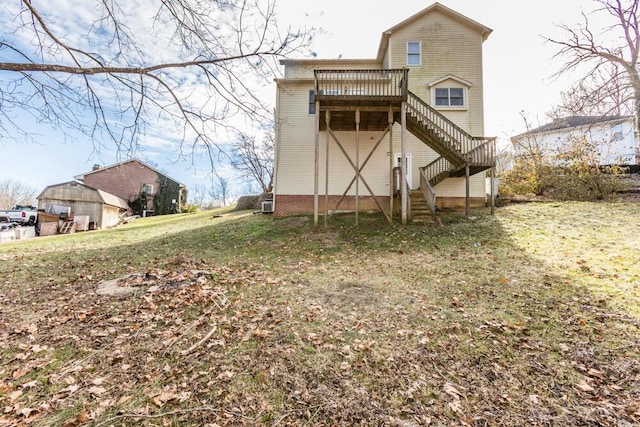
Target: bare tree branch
{"points": [[16, 193], [610, 56], [187, 70], [253, 157]]}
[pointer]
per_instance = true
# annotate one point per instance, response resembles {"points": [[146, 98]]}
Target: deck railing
{"points": [[361, 84], [484, 153], [437, 169]]}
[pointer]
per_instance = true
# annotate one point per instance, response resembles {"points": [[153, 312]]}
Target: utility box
{"points": [[25, 232], [7, 236], [82, 222], [496, 182]]}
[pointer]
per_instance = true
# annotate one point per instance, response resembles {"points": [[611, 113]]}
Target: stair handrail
{"points": [[434, 169], [427, 192], [458, 139], [408, 198], [486, 150]]}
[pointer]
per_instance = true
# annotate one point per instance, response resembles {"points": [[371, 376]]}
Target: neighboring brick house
{"points": [[145, 188]]}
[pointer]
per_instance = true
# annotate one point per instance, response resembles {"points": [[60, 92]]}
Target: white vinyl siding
{"points": [[448, 47]]}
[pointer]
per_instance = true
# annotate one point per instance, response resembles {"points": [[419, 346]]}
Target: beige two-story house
{"points": [[394, 133]]}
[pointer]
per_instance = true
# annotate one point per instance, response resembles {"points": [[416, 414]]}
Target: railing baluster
{"points": [[367, 84]]}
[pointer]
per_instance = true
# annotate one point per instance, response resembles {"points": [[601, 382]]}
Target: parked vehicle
{"points": [[6, 223], [26, 215]]}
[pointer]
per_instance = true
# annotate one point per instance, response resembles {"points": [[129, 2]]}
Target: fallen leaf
{"points": [[29, 384], [98, 381], [164, 397], [583, 386], [19, 373], [595, 373], [26, 412], [96, 390], [14, 396], [451, 390]]}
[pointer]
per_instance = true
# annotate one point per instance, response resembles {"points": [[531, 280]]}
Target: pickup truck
{"points": [[6, 223], [26, 215]]}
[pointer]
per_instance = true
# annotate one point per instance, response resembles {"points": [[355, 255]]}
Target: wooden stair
{"points": [[67, 227], [457, 149], [420, 211]]}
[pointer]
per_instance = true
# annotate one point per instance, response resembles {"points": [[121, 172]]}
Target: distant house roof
{"points": [[101, 168], [106, 198], [573, 122]]}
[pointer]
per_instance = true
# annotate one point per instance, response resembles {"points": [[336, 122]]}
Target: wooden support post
{"points": [[403, 164], [391, 156], [466, 199], [357, 164], [493, 192], [316, 166], [362, 166], [326, 169]]}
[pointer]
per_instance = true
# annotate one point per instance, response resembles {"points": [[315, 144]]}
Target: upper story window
{"points": [[147, 188], [450, 97], [312, 102], [414, 55]]}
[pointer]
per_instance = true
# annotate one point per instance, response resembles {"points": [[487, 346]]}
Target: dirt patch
{"points": [[152, 281]]}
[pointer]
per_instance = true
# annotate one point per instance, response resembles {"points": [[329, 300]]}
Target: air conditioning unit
{"points": [[267, 206]]}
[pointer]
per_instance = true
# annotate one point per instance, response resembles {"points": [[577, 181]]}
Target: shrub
{"points": [[190, 208], [529, 177], [572, 172]]}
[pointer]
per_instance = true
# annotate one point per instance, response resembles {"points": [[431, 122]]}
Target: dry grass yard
{"points": [[530, 317]]}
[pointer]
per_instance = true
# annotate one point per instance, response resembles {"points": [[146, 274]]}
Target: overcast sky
{"points": [[517, 73]]}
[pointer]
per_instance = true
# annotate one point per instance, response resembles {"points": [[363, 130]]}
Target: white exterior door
{"points": [[407, 165]]}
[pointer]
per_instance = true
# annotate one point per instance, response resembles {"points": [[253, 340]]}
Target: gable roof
{"points": [[112, 199], [106, 198], [573, 122], [436, 7], [450, 77], [81, 176]]}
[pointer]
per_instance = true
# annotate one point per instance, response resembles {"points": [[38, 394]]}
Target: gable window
{"points": [[449, 97], [312, 102], [414, 53], [147, 188]]}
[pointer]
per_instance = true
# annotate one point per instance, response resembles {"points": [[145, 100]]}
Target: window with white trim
{"points": [[450, 97], [414, 50], [147, 188]]}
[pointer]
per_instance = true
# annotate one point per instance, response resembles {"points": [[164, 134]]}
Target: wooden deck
{"points": [[371, 92], [376, 96]]}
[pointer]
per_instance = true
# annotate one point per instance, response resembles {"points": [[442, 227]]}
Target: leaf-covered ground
{"points": [[529, 317]]}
